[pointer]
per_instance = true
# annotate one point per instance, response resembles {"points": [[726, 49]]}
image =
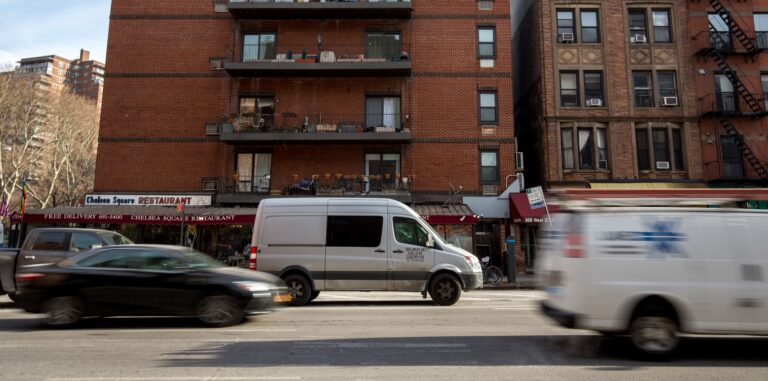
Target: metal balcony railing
{"points": [[728, 103], [316, 124], [314, 53]]}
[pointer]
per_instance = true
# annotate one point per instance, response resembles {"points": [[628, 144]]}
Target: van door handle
{"points": [[379, 251], [397, 251]]}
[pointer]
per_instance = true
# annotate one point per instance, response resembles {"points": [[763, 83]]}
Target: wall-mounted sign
{"points": [[138, 200]]}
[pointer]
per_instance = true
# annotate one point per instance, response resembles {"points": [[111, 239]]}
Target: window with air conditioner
{"points": [[667, 87], [659, 148], [593, 88], [637, 26], [566, 28]]}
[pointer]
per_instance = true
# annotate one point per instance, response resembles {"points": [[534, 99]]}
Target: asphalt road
{"points": [[488, 335]]}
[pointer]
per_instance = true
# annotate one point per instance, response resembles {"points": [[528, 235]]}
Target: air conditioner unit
{"points": [[212, 129], [662, 165], [216, 64], [210, 185], [566, 37], [519, 163], [602, 164], [490, 190], [594, 102], [669, 101], [638, 39], [485, 5]]}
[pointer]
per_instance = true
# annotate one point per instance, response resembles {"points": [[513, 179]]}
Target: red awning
{"points": [[521, 213], [451, 214], [141, 215]]}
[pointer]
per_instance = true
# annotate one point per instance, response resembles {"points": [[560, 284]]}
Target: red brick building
{"points": [[252, 99], [728, 41]]}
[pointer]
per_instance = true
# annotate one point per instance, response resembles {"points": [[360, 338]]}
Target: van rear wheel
{"points": [[654, 336], [445, 289], [299, 288]]}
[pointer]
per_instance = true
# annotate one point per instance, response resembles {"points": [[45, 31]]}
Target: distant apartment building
{"points": [[606, 94], [81, 76], [729, 40]]}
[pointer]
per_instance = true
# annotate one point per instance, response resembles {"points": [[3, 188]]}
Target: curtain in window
{"points": [[262, 172], [244, 172], [391, 111], [374, 112], [567, 148], [586, 149]]}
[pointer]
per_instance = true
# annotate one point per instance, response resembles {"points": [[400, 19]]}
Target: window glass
{"points": [[487, 107], [382, 112], [408, 231], [733, 162], [107, 258], [643, 159], [586, 149], [84, 242], [602, 149], [667, 84], [677, 147], [569, 89], [115, 239], [660, 145], [761, 30], [642, 86], [589, 27], [383, 45], [593, 85], [721, 38], [354, 231], [566, 136], [637, 25], [53, 241], [259, 47], [661, 30], [565, 24], [486, 38], [489, 166]]}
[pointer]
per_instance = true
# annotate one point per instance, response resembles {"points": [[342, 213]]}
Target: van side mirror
{"points": [[430, 242]]}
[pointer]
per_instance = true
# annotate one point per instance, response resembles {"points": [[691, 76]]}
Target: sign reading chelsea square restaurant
{"points": [[146, 200]]}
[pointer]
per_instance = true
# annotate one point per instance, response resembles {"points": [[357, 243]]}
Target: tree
{"points": [[48, 136]]}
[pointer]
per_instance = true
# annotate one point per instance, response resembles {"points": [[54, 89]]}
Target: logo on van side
{"points": [[662, 237]]}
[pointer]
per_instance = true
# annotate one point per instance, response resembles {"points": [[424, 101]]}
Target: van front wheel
{"points": [[299, 289], [445, 290], [654, 336]]}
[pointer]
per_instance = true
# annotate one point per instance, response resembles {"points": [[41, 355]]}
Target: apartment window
{"points": [[259, 47], [641, 81], [253, 172], [667, 84], [488, 109], [486, 42], [720, 39], [591, 150], [764, 80], [383, 45], [256, 113], [733, 162], [637, 25], [566, 30], [659, 148], [761, 30], [727, 99], [569, 89], [381, 170], [489, 167], [590, 31], [382, 112], [593, 88], [661, 28]]}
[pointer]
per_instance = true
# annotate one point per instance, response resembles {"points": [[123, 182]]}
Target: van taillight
{"points": [[573, 246], [252, 258]]}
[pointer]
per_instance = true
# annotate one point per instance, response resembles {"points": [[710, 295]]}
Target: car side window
{"points": [[108, 258], [84, 242], [408, 231], [51, 241]]}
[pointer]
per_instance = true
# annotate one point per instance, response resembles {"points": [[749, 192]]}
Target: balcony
{"points": [[730, 104], [723, 42], [315, 9], [325, 128], [267, 60]]}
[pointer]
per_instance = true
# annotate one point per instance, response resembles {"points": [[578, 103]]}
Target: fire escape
{"points": [[754, 107]]}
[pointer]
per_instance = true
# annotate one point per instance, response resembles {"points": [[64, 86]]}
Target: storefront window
{"points": [[457, 235]]}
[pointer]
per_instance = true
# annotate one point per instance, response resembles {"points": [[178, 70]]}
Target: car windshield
{"points": [[115, 239], [198, 260]]}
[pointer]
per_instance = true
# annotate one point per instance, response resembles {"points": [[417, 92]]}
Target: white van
{"points": [[318, 244], [655, 272]]}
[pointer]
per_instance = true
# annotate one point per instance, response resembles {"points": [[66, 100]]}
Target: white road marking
{"points": [[212, 378]]}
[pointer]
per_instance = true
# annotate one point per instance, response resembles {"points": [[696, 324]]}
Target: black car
{"points": [[147, 280]]}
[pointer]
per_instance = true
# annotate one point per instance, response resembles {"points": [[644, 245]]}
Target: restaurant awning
{"points": [[142, 215], [521, 213], [450, 214]]}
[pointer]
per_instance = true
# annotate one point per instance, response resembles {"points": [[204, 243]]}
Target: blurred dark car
{"points": [[147, 280]]}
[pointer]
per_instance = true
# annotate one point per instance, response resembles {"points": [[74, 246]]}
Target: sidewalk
{"points": [[524, 282]]}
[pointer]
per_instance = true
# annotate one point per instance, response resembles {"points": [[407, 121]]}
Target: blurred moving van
{"points": [[655, 272], [357, 244]]}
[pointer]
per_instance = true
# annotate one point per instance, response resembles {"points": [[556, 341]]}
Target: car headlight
{"points": [[253, 286]]}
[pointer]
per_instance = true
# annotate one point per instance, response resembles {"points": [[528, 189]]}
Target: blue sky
{"points": [[30, 28]]}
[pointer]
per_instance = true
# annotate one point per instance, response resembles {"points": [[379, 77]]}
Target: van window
{"points": [[409, 231], [354, 231], [53, 241]]}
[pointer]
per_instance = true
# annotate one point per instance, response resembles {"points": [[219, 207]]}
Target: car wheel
{"points": [[219, 311], [445, 290], [314, 295], [299, 289], [63, 311], [654, 336]]}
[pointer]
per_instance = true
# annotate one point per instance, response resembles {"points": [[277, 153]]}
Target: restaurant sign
{"points": [[146, 200], [99, 218]]}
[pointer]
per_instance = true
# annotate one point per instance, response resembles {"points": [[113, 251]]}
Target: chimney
{"points": [[85, 55]]}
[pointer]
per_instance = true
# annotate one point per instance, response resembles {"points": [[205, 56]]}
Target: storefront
{"points": [[527, 221], [454, 222]]}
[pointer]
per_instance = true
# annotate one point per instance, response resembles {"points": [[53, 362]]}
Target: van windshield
{"points": [[432, 231]]}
